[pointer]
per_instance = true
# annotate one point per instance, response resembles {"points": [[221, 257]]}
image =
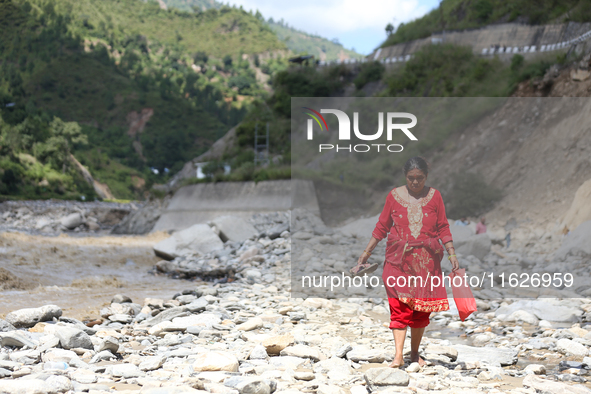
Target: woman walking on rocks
{"points": [[414, 217]]}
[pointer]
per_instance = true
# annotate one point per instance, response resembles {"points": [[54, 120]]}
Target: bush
{"points": [[521, 71], [448, 70], [470, 196], [200, 57], [242, 82], [369, 72]]}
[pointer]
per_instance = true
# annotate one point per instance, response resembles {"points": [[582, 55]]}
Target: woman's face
{"points": [[415, 180]]}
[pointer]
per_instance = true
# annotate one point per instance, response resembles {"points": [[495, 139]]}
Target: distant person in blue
{"points": [[507, 240], [462, 222]]}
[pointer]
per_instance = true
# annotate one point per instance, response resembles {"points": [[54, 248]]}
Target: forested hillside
{"points": [[141, 95], [297, 41], [303, 43]]}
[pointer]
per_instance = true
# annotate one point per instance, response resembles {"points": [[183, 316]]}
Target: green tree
{"points": [[389, 28], [65, 136]]}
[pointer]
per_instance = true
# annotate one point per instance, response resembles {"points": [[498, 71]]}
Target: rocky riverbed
{"points": [[241, 331], [55, 216]]}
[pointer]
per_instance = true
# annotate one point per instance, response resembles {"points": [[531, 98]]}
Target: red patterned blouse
{"points": [[413, 251]]}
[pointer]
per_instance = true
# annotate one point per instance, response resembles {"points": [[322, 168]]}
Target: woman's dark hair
{"points": [[417, 163]]}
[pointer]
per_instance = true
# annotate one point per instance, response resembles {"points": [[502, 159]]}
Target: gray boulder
{"points": [[234, 229], [28, 317], [376, 377], [547, 309], [361, 228], [30, 386], [6, 326], [198, 238], [360, 353], [460, 233], [17, 339], [141, 221], [490, 355], [121, 299], [576, 243], [477, 245], [248, 385], [125, 371], [108, 343], [73, 220], [71, 338], [548, 386], [105, 355], [152, 362], [276, 231]]}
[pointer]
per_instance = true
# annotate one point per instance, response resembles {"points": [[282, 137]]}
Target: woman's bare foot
{"points": [[397, 362], [415, 358]]}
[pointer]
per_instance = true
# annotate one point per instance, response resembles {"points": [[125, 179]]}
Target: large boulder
{"points": [[547, 309], [28, 317], [73, 220], [361, 228], [376, 377], [233, 228], [216, 361], [490, 355], [6, 326], [141, 221], [576, 243], [477, 245], [460, 233], [551, 387], [72, 338], [198, 238]]}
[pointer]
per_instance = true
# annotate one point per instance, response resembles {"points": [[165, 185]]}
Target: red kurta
{"points": [[413, 251]]}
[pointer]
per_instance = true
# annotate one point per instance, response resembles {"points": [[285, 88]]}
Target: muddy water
{"points": [[80, 274]]}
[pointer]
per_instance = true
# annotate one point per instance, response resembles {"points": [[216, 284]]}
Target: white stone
{"points": [[28, 317], [302, 351], [537, 369], [203, 319], [73, 220], [360, 353], [489, 355], [125, 371], [198, 238], [216, 361], [152, 362], [566, 346], [258, 353], [376, 377], [286, 362], [551, 387], [251, 324]]}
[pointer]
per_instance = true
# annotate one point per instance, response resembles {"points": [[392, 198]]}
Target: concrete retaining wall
{"points": [[503, 40], [506, 38], [205, 201]]}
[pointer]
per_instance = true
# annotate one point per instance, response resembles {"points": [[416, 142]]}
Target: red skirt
{"points": [[408, 274]]}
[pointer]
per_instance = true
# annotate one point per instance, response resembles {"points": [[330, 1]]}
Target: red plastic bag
{"points": [[462, 294]]}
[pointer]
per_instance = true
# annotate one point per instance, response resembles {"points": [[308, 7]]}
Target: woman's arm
{"points": [[455, 264], [382, 229], [368, 249]]}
